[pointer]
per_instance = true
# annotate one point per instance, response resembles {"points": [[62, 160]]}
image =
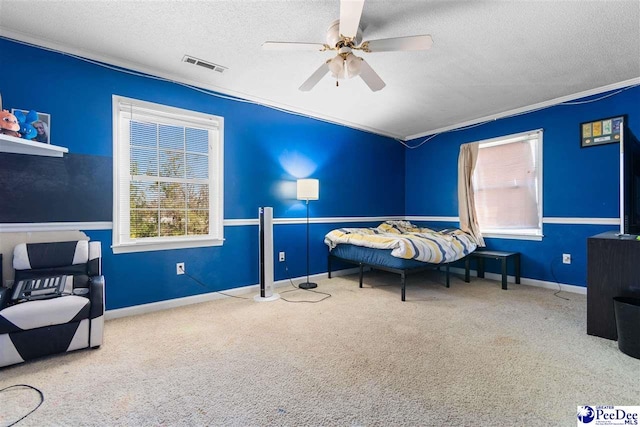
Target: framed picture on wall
{"points": [[42, 125], [600, 132]]}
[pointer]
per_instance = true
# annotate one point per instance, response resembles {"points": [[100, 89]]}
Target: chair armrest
{"points": [[97, 296], [4, 297]]}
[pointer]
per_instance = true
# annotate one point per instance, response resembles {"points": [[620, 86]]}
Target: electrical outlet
{"points": [[281, 257], [180, 268], [566, 258]]}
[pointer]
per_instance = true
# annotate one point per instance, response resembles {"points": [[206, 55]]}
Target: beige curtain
{"points": [[466, 204]]}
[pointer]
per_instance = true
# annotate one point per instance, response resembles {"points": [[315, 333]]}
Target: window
{"points": [[168, 171], [507, 185]]}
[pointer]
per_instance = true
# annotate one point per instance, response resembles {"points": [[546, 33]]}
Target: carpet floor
{"points": [[469, 355]]}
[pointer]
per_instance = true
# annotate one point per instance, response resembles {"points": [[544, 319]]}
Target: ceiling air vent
{"points": [[205, 64]]}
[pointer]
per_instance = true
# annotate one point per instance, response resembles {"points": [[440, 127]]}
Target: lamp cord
{"points": [[551, 264], [327, 295], [207, 287], [31, 411]]}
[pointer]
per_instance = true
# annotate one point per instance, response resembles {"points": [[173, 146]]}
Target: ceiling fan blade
{"points": [[292, 46], [399, 43], [315, 78], [350, 12], [370, 77]]}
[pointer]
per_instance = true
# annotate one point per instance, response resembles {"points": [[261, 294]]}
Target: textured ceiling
{"points": [[488, 57]]}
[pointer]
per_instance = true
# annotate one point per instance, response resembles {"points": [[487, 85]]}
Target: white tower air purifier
{"points": [[265, 253]]}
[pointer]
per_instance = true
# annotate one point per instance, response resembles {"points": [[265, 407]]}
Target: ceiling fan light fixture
{"points": [[345, 66], [336, 67], [353, 65]]}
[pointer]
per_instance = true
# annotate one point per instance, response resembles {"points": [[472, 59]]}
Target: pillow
{"points": [[398, 226]]}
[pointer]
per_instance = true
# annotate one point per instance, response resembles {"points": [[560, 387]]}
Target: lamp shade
{"points": [[308, 189]]}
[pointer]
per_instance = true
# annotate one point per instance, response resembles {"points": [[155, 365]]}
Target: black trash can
{"points": [[627, 310]]}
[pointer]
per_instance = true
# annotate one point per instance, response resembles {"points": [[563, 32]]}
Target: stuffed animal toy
{"points": [[26, 128], [9, 124]]}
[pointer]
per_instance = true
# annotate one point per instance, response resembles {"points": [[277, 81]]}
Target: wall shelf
{"points": [[11, 144]]}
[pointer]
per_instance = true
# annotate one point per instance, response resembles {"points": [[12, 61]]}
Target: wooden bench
{"points": [[480, 256]]}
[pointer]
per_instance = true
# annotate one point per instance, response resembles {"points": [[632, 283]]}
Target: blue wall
{"points": [[577, 182], [265, 151]]}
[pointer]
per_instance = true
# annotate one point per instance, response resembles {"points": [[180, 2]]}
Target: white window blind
{"points": [[507, 184], [167, 177]]}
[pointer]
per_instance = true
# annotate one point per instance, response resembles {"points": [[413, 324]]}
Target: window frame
{"points": [[521, 234], [123, 109]]}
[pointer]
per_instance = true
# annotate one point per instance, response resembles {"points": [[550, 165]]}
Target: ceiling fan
{"points": [[344, 36]]}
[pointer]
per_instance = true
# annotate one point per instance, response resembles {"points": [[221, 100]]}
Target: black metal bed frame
{"points": [[401, 271]]}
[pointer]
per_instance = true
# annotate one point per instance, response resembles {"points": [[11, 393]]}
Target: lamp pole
{"points": [[307, 284]]}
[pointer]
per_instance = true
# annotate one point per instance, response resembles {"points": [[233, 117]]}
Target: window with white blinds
{"points": [[168, 170], [507, 185]]}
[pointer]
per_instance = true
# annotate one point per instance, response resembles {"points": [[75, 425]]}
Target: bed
{"points": [[398, 247]]}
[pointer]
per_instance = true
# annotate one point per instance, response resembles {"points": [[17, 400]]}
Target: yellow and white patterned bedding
{"points": [[407, 241]]}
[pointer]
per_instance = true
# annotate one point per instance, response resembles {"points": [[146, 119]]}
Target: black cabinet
{"points": [[613, 269]]}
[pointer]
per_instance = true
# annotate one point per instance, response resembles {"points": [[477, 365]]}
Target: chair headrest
{"points": [[28, 256]]}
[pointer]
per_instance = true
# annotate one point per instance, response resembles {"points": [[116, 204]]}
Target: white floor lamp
{"points": [[308, 189]]}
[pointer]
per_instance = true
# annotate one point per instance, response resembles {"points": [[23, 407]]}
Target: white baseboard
{"points": [[195, 299], [526, 281], [553, 285]]}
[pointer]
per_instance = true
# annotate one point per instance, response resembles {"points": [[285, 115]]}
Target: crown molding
{"points": [[529, 108], [83, 55], [80, 54]]}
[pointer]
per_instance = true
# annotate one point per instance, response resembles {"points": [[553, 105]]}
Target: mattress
{"points": [[372, 256]]}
